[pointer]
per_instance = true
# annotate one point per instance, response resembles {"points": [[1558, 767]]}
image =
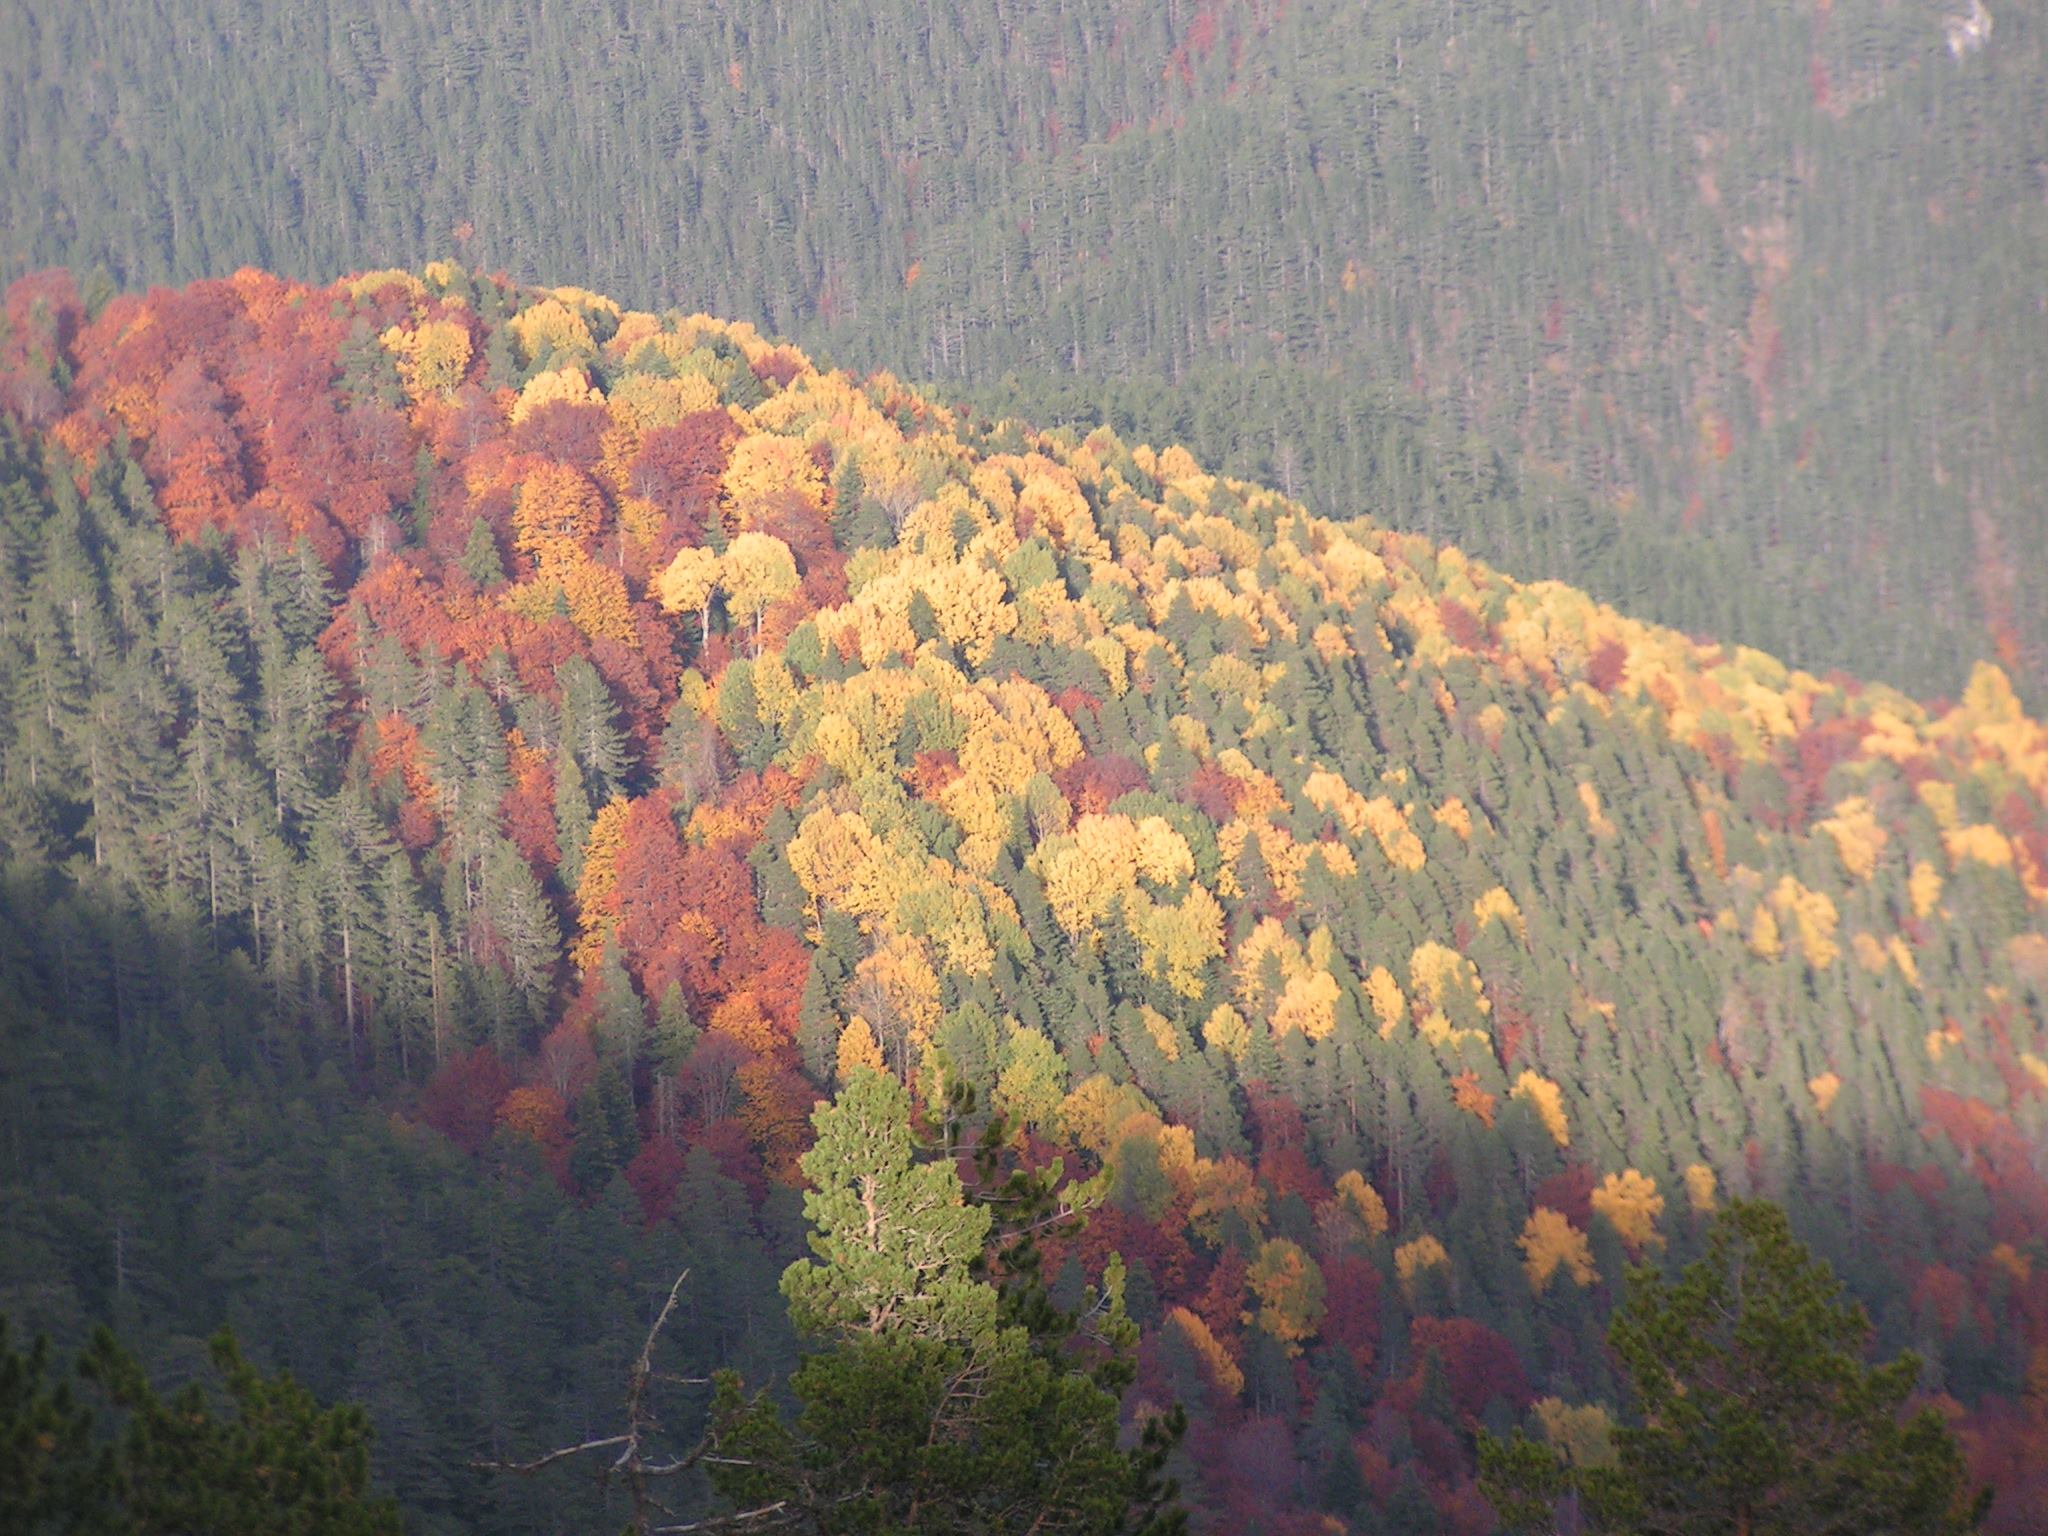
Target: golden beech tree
{"points": [[1307, 1003], [1631, 1204], [431, 359], [1224, 1185], [1417, 1255], [1813, 918], [1095, 1113], [595, 595], [968, 601], [765, 463], [1543, 1096], [1215, 1359], [837, 740], [1857, 836], [1596, 816], [1364, 1200], [757, 572], [688, 585], [1444, 982], [1162, 1032], [1388, 1005], [741, 1017], [1088, 871], [1584, 1435], [857, 1050], [1979, 843], [1438, 974], [1763, 935], [1290, 1290], [552, 326], [1179, 941], [1824, 1086], [1550, 1242], [896, 990], [1454, 813], [1498, 906], [1700, 1185], [1924, 887], [1032, 1084], [567, 386], [774, 1111], [596, 904], [559, 512], [838, 859], [1397, 840], [1225, 1031]]}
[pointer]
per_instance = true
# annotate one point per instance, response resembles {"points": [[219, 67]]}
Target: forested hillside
{"points": [[480, 764], [1726, 312]]}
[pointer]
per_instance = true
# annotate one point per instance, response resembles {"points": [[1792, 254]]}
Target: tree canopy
{"points": [[1758, 1413], [941, 1401], [104, 1454]]}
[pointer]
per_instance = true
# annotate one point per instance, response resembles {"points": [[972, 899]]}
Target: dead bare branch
{"points": [[631, 1466], [779, 1512], [551, 1458]]}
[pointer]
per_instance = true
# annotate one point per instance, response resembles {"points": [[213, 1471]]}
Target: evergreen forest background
{"points": [[1729, 313]]}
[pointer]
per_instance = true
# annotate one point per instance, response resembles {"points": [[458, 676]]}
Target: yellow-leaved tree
{"points": [[764, 465], [858, 1050], [1550, 1242], [559, 511], [1388, 1005], [1364, 1200], [1033, 1082], [896, 990], [1307, 1003], [1417, 1255], [757, 572], [689, 583], [1584, 1436], [1631, 1204], [1223, 1370], [1700, 1185], [1290, 1291], [1178, 942], [432, 359], [1544, 1096], [1225, 1031]]}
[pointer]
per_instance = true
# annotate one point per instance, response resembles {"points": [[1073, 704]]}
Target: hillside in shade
{"points": [[480, 764]]}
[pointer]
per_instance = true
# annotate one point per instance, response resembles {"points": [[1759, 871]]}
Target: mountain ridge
{"points": [[1724, 312]]}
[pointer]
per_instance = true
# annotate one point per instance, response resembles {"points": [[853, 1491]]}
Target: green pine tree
{"points": [[942, 1402], [279, 1465], [1759, 1415]]}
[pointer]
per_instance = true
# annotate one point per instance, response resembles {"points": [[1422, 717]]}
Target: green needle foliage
{"points": [[54, 1475], [897, 1240], [280, 1465], [1759, 1415], [944, 1400]]}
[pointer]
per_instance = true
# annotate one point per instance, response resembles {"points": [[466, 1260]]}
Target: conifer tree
{"points": [[942, 1402], [281, 1465], [1759, 1415]]}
